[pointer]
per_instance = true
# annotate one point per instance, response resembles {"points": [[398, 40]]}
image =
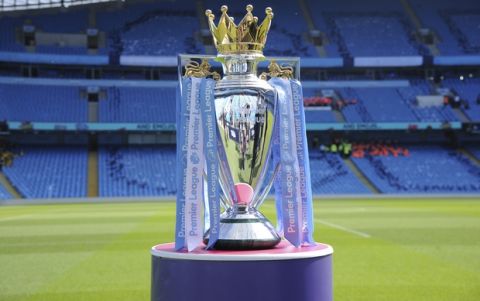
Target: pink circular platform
{"points": [[282, 273], [282, 251]]}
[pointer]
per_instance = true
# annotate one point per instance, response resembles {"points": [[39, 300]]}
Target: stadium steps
{"points": [[470, 156], [417, 23], [93, 112], [311, 25], [359, 174], [92, 17], [92, 188], [9, 187], [460, 115], [339, 116]]}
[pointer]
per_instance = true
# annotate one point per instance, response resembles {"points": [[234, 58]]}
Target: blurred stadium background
{"points": [[87, 115]]}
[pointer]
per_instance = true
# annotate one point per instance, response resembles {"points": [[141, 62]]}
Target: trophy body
{"points": [[245, 115]]}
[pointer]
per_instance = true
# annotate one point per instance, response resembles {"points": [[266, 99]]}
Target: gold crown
{"points": [[247, 37]]}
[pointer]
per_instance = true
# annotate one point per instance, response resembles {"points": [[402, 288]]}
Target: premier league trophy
{"points": [[245, 117], [237, 136]]}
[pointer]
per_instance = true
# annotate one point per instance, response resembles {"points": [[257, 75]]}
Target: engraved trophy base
{"points": [[245, 230]]}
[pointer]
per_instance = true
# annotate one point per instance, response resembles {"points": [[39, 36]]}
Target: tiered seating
{"points": [[42, 103], [428, 169], [160, 28], [61, 172], [357, 112], [469, 90], [330, 175], [475, 150], [147, 171], [455, 23], [8, 40], [426, 114], [359, 30], [375, 35], [71, 22], [137, 171], [393, 105], [4, 193], [366, 28], [319, 116], [138, 105], [377, 105], [50, 172]]}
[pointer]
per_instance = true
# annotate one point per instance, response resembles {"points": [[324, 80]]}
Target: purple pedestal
{"points": [[282, 273]]}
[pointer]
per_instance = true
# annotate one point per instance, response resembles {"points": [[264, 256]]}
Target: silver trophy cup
{"points": [[245, 115]]}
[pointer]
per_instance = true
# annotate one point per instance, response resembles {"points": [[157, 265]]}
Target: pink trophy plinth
{"points": [[282, 273]]}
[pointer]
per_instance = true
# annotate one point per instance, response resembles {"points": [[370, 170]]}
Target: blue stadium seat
{"points": [[359, 30], [160, 28], [319, 116], [137, 171], [468, 90], [377, 105], [42, 103], [4, 194], [428, 169], [455, 23], [330, 175], [475, 150], [138, 105], [49, 172], [425, 114]]}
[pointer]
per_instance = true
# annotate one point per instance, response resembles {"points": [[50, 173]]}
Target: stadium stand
{"points": [[42, 103], [359, 30], [475, 151], [468, 90], [4, 193], [49, 172], [376, 105], [137, 171], [330, 175], [127, 104], [441, 113], [350, 29], [56, 172], [151, 29], [73, 22], [321, 116], [8, 37], [393, 104], [427, 169], [454, 22], [159, 28]]}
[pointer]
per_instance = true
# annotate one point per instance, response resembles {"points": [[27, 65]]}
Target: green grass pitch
{"points": [[384, 250]]}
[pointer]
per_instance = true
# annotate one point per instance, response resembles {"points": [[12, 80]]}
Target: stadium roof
{"points": [[11, 5]]}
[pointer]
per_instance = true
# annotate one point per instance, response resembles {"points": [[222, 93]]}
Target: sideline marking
{"points": [[352, 231]]}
